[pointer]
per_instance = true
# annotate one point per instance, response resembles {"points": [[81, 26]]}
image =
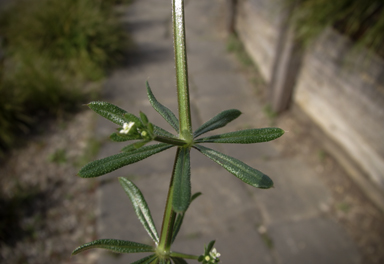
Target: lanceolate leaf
{"points": [[218, 121], [162, 110], [146, 260], [238, 168], [247, 136], [106, 165], [144, 118], [128, 117], [209, 247], [141, 207], [119, 246], [129, 148], [139, 144], [182, 181], [162, 132], [114, 113], [117, 137], [180, 218], [109, 111]]}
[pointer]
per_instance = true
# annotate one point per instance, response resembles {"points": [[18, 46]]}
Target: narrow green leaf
{"points": [[119, 246], [162, 132], [114, 113], [180, 218], [150, 128], [247, 136], [109, 111], [106, 165], [195, 195], [182, 181], [140, 144], [129, 148], [179, 260], [209, 247], [241, 170], [162, 110], [117, 137], [164, 261], [218, 121], [141, 207], [146, 260], [144, 118], [128, 117]]}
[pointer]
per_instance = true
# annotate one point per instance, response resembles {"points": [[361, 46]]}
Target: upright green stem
{"points": [[181, 68], [168, 218], [184, 115]]}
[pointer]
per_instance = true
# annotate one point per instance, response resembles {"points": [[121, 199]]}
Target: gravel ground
{"points": [[45, 209]]}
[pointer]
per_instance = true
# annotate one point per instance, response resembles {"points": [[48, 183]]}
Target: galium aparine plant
{"points": [[148, 139]]}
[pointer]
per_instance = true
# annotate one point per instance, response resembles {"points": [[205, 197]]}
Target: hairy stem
{"points": [[184, 116], [181, 68]]}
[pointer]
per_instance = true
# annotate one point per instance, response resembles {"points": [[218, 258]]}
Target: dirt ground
{"points": [[46, 211]]}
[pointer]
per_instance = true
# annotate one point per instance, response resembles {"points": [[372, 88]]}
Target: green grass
{"points": [[234, 45], [53, 50], [58, 157], [344, 207], [361, 21]]}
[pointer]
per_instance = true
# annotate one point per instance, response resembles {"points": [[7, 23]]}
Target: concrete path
{"points": [[283, 225]]}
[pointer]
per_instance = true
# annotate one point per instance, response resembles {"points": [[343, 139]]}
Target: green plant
{"points": [[59, 156], [143, 133], [51, 49], [80, 36], [362, 21]]}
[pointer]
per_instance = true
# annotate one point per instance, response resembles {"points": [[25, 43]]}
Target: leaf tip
{"points": [[76, 251]]}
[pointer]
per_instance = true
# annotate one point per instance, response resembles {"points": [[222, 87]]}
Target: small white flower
{"points": [[214, 254], [126, 127], [143, 133]]}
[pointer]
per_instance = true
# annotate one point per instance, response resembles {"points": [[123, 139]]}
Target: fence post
{"points": [[230, 16], [286, 65]]}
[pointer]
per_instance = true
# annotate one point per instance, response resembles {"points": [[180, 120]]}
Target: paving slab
{"points": [[297, 192], [318, 240], [287, 224]]}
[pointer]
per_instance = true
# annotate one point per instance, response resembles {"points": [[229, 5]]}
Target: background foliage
{"points": [[361, 20], [51, 51]]}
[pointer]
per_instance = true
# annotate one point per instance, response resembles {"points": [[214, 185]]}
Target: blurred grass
{"points": [[361, 21], [51, 51]]}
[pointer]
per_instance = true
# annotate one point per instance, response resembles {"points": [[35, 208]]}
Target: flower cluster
{"points": [[211, 255], [126, 127]]}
